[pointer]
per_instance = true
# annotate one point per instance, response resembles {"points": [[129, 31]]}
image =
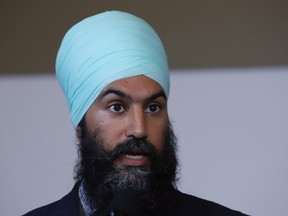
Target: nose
{"points": [[137, 123]]}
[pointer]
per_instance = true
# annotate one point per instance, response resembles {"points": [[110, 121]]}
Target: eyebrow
{"points": [[157, 95], [124, 95]]}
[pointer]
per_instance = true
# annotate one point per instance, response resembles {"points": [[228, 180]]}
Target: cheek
{"points": [[112, 133], [157, 135], [110, 129]]}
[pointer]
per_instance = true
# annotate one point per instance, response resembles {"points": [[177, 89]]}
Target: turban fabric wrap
{"points": [[102, 49]]}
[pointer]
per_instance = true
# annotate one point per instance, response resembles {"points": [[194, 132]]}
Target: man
{"points": [[114, 73]]}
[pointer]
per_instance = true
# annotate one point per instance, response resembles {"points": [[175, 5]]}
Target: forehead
{"points": [[140, 85]]}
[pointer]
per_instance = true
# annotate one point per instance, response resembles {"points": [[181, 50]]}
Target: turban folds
{"points": [[104, 48]]}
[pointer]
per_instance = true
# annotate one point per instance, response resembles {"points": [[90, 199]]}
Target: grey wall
{"points": [[232, 127]]}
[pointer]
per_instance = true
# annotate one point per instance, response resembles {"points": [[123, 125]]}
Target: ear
{"points": [[79, 131]]}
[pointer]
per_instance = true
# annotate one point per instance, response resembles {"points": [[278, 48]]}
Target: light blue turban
{"points": [[104, 48]]}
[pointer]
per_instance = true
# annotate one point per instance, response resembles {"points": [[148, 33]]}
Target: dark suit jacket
{"points": [[181, 205]]}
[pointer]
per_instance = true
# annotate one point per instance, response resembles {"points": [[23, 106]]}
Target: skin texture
{"points": [[130, 107]]}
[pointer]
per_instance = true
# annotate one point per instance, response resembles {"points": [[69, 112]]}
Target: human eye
{"points": [[152, 108], [117, 108]]}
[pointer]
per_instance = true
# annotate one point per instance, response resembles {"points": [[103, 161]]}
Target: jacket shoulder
{"points": [[50, 209], [67, 206], [191, 205]]}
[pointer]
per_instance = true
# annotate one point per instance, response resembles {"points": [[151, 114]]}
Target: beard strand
{"points": [[125, 177], [102, 179]]}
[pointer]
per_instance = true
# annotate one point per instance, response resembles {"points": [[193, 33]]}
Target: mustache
{"points": [[133, 146]]}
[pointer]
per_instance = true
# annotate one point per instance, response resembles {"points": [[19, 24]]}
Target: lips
{"points": [[134, 160], [134, 157], [133, 152]]}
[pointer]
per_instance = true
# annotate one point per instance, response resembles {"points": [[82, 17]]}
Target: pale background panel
{"points": [[231, 124], [233, 133]]}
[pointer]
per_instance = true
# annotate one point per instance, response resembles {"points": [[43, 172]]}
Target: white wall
{"points": [[231, 124]]}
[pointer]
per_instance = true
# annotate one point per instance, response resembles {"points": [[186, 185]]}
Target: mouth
{"points": [[134, 157]]}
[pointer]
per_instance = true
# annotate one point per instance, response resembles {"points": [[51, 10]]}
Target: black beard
{"points": [[103, 180]]}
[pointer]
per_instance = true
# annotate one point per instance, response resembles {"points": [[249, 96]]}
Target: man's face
{"points": [[133, 107], [127, 143]]}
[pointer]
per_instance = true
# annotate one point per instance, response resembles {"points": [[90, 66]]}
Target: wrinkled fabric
{"points": [[104, 48], [88, 208]]}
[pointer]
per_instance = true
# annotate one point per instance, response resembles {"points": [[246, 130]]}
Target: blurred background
{"points": [[228, 104], [196, 34]]}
